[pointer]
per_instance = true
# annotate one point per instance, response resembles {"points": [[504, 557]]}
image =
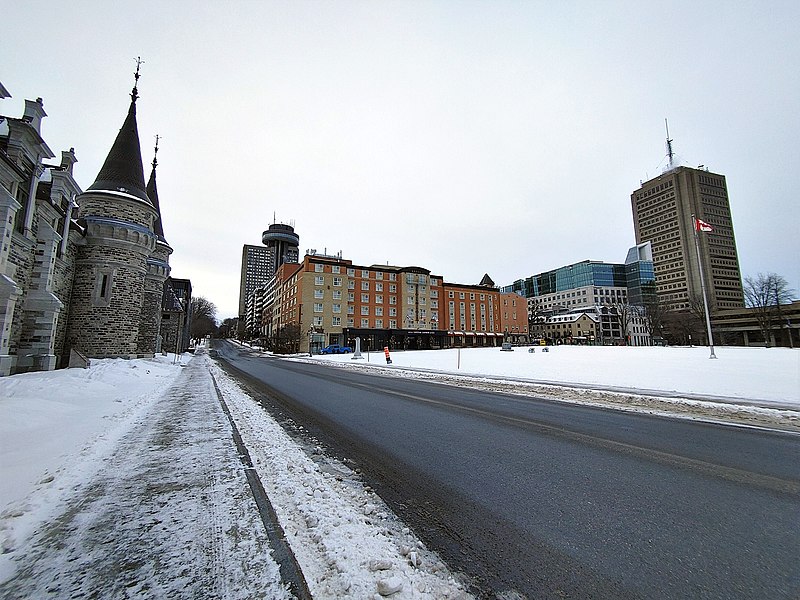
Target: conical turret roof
{"points": [[152, 193], [122, 171]]}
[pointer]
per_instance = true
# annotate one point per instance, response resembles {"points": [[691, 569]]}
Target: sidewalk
{"points": [[168, 514], [124, 481]]}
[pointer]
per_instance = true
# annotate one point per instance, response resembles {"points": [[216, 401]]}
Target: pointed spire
{"points": [[152, 193], [122, 171]]}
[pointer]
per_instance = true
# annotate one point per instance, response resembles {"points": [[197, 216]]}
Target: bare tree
{"points": [[536, 319], [764, 295], [697, 309], [204, 318], [624, 313], [287, 339], [655, 312], [228, 327], [682, 326]]}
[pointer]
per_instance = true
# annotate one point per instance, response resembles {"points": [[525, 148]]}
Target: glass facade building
{"points": [[640, 275], [578, 275], [636, 275]]}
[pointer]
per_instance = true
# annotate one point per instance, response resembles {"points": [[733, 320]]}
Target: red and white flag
{"points": [[702, 225]]}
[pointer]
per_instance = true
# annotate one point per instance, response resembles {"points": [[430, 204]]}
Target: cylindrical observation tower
{"points": [[283, 242]]}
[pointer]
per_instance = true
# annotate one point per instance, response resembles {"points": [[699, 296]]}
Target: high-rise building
{"points": [[639, 275], [256, 270], [260, 263], [662, 215], [576, 286]]}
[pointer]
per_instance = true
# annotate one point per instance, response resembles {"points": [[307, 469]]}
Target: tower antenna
{"points": [[670, 153]]}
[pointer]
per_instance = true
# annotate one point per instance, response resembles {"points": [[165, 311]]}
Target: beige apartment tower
{"points": [[662, 215]]}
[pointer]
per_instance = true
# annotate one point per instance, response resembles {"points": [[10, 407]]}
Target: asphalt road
{"points": [[539, 499]]}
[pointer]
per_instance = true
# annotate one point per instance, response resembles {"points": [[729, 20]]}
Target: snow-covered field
{"points": [[60, 431], [768, 375]]}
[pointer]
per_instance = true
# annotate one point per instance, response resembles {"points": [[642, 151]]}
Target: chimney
{"points": [[34, 112], [68, 159]]}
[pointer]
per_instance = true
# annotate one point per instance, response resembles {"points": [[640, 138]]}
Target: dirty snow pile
{"points": [[48, 419]]}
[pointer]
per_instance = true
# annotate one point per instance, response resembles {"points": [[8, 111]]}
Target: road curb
{"points": [[291, 573]]}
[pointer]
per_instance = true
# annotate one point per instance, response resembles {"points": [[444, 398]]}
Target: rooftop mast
{"points": [[670, 153]]}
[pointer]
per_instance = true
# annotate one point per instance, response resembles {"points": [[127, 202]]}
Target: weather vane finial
{"points": [[155, 162], [135, 91]]}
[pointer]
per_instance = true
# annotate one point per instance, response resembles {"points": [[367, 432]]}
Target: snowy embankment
{"points": [[57, 427], [756, 386], [49, 420]]}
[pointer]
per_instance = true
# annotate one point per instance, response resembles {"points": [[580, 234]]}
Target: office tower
{"points": [[256, 262], [662, 215]]}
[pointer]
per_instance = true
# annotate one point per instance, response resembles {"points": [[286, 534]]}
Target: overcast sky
{"points": [[464, 137]]}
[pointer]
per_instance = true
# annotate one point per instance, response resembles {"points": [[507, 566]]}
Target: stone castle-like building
{"points": [[82, 270]]}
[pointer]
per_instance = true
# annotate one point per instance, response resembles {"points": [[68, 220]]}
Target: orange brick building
{"points": [[329, 300], [514, 318]]}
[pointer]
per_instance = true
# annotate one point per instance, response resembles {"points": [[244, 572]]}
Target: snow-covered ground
{"points": [[123, 478], [67, 433], [769, 375]]}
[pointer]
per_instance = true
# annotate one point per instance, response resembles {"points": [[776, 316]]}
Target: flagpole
{"points": [[703, 285]]}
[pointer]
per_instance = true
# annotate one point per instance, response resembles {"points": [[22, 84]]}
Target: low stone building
{"points": [[83, 271]]}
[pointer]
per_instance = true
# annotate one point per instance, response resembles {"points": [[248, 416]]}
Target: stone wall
{"points": [[106, 305], [117, 206], [64, 273], [150, 320], [20, 266]]}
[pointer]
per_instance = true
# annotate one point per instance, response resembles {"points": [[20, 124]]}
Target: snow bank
{"points": [[50, 422], [46, 419]]}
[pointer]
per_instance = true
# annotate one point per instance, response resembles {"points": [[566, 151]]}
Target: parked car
{"points": [[506, 347], [336, 349]]}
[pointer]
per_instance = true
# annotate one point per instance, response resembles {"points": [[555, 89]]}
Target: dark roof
{"points": [[152, 193], [122, 171], [487, 281]]}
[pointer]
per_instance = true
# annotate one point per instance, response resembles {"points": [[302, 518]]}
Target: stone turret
{"points": [[157, 272], [108, 293]]}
